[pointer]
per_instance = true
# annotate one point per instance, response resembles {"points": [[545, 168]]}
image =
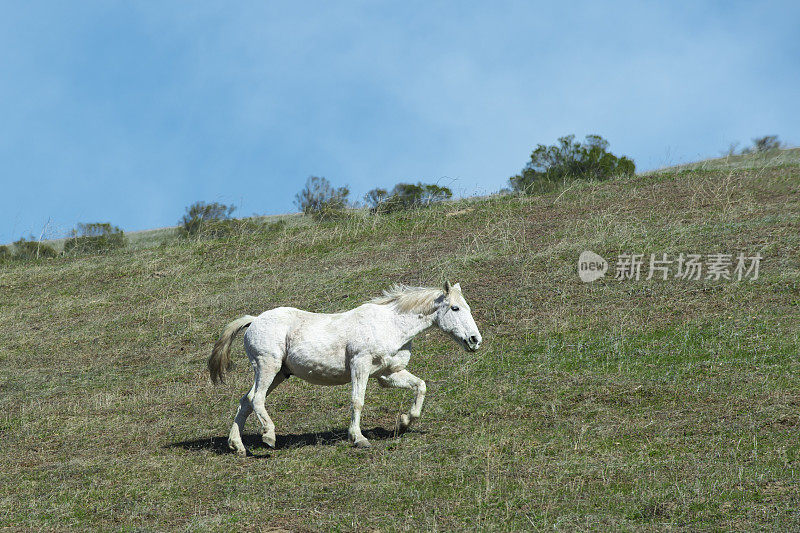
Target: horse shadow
{"points": [[251, 441]]}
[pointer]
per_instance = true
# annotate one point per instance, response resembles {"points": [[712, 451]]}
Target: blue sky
{"points": [[128, 112]]}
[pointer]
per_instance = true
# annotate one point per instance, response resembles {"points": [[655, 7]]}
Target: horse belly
{"points": [[328, 369]]}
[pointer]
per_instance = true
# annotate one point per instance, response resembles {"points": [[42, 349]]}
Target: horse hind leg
{"points": [[359, 376], [246, 407], [235, 436], [268, 376]]}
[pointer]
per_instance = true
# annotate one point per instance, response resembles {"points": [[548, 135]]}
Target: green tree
{"points": [[95, 237], [569, 160], [767, 143], [321, 200], [409, 196], [31, 249], [200, 214], [376, 198]]}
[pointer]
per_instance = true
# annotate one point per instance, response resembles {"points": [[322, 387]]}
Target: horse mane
{"points": [[407, 299]]}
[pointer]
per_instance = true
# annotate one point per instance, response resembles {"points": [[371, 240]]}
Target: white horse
{"points": [[372, 340]]}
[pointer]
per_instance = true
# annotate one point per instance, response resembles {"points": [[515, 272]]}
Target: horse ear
{"points": [[457, 287], [447, 287]]}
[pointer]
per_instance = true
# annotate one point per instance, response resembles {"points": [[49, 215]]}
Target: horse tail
{"points": [[220, 361]]}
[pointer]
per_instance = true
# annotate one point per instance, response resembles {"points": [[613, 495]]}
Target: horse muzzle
{"points": [[473, 343]]}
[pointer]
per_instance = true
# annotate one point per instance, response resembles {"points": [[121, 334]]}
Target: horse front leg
{"points": [[406, 380], [359, 373]]}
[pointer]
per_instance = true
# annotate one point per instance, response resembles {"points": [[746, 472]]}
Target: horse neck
{"points": [[412, 324]]}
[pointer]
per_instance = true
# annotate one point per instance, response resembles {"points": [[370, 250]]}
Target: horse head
{"points": [[454, 316]]}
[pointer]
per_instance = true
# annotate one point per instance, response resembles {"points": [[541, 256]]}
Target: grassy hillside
{"points": [[756, 161], [616, 404]]}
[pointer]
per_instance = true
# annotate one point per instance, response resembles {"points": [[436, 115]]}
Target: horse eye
{"points": [[454, 308]]}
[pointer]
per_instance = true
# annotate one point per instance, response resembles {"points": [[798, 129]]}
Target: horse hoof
{"points": [[405, 422], [363, 443], [239, 450], [269, 440], [237, 447]]}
